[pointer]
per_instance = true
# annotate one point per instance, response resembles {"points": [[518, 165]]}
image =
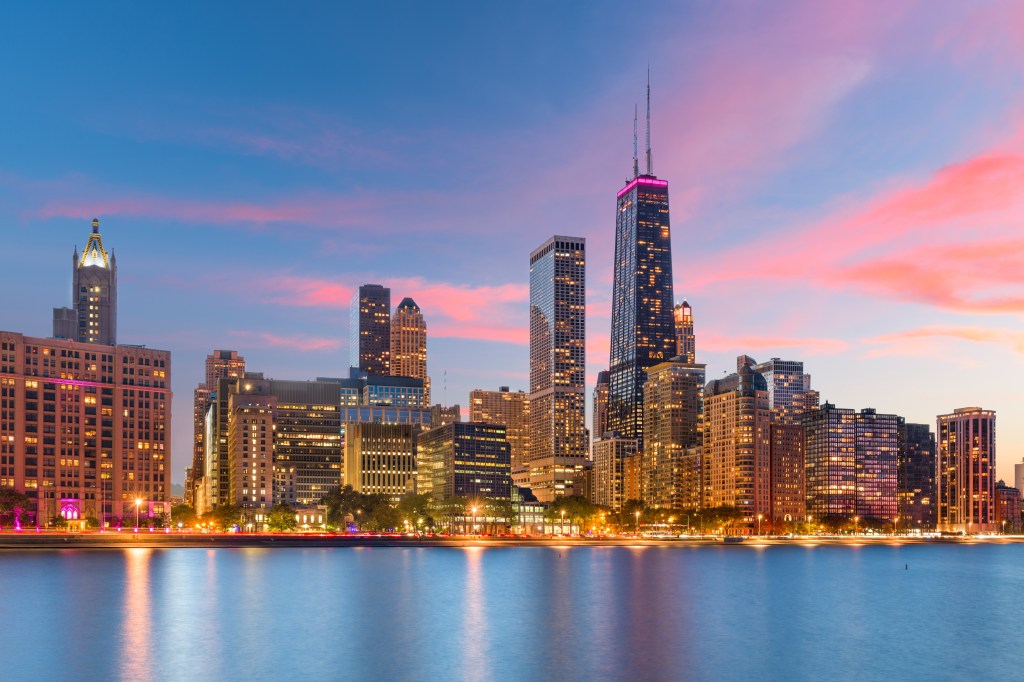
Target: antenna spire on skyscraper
{"points": [[636, 160], [650, 171]]}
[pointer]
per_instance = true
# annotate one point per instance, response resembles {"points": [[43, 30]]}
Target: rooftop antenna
{"points": [[636, 161], [649, 169]]}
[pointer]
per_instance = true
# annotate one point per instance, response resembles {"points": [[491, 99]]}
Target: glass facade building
{"points": [[967, 470], [558, 436], [916, 479], [464, 459], [643, 330], [370, 329]]}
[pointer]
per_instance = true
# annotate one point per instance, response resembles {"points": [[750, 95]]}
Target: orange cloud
{"points": [[906, 341], [299, 342]]}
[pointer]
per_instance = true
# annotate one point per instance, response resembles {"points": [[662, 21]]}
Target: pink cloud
{"points": [[718, 343], [299, 342], [909, 342]]}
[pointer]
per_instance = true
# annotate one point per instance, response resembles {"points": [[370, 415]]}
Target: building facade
{"points": [[409, 344], [686, 340], [370, 329], [219, 364], [85, 428], [380, 459], [558, 438], [880, 439], [511, 410], [916, 479], [600, 406], [251, 424], [1008, 509], [92, 317], [464, 459], [788, 496], [643, 332], [736, 443], [786, 380], [966, 441], [610, 454], [673, 424]]}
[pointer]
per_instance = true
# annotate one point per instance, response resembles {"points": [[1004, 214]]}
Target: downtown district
{"points": [[85, 426]]}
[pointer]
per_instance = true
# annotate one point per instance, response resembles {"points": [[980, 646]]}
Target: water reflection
{"points": [[136, 632]]}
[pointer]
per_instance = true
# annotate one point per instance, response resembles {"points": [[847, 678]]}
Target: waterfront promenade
{"points": [[26, 540]]}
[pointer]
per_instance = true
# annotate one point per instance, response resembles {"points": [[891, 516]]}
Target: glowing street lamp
{"points": [[474, 519], [759, 523], [561, 526], [138, 503], [855, 520], [637, 520]]}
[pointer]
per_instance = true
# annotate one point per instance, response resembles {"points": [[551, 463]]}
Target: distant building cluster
{"points": [[85, 422]]}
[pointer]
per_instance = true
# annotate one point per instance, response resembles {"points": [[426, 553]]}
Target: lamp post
{"points": [[561, 524], [474, 520], [855, 520], [637, 521], [759, 523], [138, 503], [896, 525], [810, 518]]}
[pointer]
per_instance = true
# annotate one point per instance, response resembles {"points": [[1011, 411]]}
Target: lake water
{"points": [[914, 612]]}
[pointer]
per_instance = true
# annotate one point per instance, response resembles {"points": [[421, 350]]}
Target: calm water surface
{"points": [[675, 613]]}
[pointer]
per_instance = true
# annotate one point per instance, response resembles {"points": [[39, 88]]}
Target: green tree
{"points": [[14, 504], [59, 522], [224, 517], [579, 511], [342, 503], [412, 508], [502, 509], [183, 514], [281, 518]]}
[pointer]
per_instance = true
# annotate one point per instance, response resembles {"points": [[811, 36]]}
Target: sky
{"points": [[846, 181]]}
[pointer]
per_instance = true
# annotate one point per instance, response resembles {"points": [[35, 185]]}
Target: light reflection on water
{"points": [[566, 613]]}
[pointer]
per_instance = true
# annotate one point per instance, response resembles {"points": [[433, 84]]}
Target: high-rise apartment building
{"points": [[380, 459], [673, 424], [686, 341], [916, 479], [85, 428], [251, 446], [966, 470], [511, 410], [610, 456], [219, 364], [786, 380], [880, 439], [370, 329], [558, 438], [643, 330], [736, 442], [409, 344], [600, 416], [1007, 508], [93, 315], [786, 456], [464, 459], [851, 462]]}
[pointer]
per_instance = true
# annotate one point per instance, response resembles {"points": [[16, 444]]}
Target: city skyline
{"points": [[830, 174]]}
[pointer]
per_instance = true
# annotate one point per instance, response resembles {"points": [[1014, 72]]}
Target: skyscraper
{"points": [[916, 479], [509, 409], [219, 364], [736, 451], [558, 439], [464, 459], [610, 456], [93, 315], [370, 329], [786, 380], [600, 423], [409, 344], [967, 470], [686, 342], [880, 438], [673, 424], [643, 329]]}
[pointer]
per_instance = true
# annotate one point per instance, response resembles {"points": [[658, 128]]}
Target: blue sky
{"points": [[847, 181]]}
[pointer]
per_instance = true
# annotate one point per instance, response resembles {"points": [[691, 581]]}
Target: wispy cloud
{"points": [[298, 342], [909, 342]]}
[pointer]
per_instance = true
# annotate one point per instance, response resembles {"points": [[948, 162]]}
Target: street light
{"points": [[855, 520], [561, 525], [138, 503], [896, 525], [759, 524], [474, 519], [637, 521]]}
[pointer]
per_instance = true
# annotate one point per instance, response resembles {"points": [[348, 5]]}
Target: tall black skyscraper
{"points": [[643, 328], [370, 329]]}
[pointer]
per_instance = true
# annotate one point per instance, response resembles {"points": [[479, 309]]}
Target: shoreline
{"points": [[11, 542]]}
